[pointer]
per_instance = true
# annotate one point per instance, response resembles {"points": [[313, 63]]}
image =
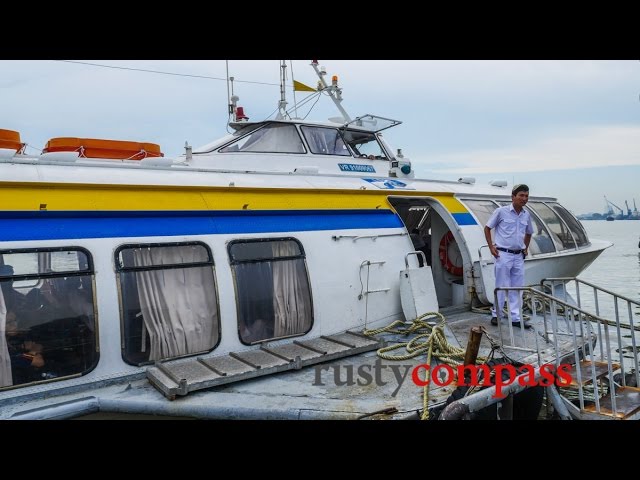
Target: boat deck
{"points": [[359, 386]]}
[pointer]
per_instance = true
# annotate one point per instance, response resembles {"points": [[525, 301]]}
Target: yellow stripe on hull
{"points": [[91, 197]]}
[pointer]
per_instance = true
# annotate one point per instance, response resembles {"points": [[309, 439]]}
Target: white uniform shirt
{"points": [[510, 227]]}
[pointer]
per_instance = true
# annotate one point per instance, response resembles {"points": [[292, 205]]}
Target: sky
{"points": [[569, 129]]}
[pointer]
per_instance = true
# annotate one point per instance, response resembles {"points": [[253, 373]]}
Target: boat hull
{"points": [[565, 264]]}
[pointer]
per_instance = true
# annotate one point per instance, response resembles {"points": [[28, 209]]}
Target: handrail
{"points": [[579, 280], [617, 323], [589, 368]]}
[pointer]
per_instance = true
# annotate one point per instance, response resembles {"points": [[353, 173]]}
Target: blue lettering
{"points": [[353, 167]]}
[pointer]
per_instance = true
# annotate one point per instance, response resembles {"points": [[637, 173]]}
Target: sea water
{"points": [[617, 268]]}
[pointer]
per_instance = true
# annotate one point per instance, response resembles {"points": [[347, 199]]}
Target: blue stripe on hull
{"points": [[63, 225], [464, 219]]}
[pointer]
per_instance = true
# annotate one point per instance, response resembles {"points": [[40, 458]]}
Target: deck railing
{"points": [[611, 325], [565, 331]]}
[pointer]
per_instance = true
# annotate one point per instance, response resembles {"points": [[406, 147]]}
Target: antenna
{"points": [[293, 86], [229, 80], [282, 104]]}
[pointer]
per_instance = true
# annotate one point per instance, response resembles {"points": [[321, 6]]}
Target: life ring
{"points": [[448, 265]]}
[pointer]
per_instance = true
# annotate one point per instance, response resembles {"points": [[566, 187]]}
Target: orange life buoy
{"points": [[448, 265]]}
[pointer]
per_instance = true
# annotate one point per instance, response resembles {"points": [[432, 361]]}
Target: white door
{"points": [[485, 278]]}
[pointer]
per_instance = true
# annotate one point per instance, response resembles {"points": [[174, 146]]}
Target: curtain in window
{"points": [[291, 296], [5, 360], [178, 305]]}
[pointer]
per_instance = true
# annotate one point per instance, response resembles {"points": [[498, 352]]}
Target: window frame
{"points": [[119, 270], [499, 202], [40, 277], [233, 262], [66, 273], [578, 222], [465, 199], [317, 127], [261, 127], [356, 153], [558, 249]]}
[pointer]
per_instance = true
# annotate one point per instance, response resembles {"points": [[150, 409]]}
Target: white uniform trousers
{"points": [[509, 273]]}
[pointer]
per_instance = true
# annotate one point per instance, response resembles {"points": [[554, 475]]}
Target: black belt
{"points": [[515, 252]]}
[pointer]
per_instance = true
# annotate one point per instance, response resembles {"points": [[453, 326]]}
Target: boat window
{"points": [[271, 138], [272, 289], [48, 313], [325, 141], [364, 144], [572, 222], [482, 209], [558, 229], [168, 301], [541, 241]]}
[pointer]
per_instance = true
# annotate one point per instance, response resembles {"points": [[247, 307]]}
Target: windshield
{"points": [[364, 144], [271, 138]]}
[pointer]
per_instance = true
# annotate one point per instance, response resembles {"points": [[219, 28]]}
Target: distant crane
{"points": [[614, 205], [628, 209], [635, 215], [609, 210]]}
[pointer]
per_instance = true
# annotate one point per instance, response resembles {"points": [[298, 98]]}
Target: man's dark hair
{"points": [[521, 187]]}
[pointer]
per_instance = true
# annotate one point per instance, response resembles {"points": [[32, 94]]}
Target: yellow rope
{"points": [[429, 340]]}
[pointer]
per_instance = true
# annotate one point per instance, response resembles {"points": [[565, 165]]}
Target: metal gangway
{"points": [[590, 328], [587, 330], [608, 376]]}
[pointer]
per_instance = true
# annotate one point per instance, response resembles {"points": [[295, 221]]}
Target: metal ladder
{"points": [[604, 368], [607, 377]]}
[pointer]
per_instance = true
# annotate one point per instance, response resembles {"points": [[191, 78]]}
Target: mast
{"points": [[334, 92], [282, 104]]}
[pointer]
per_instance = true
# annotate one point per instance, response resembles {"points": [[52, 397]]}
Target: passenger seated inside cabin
{"points": [[24, 353], [27, 360], [61, 317], [14, 300], [62, 297], [49, 332]]}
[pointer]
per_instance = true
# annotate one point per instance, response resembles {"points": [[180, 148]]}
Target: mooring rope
{"points": [[429, 339]]}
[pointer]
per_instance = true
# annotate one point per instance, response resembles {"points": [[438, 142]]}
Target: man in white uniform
{"points": [[512, 236]]}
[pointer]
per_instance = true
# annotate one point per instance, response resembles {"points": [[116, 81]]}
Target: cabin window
{"points": [[325, 141], [482, 209], [541, 240], [579, 233], [364, 144], [271, 138], [559, 231], [168, 301], [47, 315], [272, 289]]}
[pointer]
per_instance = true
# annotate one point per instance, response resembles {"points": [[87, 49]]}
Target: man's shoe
{"points": [[494, 321], [524, 325]]}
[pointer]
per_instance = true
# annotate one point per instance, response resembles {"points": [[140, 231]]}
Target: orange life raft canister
{"points": [[10, 139], [98, 148]]}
